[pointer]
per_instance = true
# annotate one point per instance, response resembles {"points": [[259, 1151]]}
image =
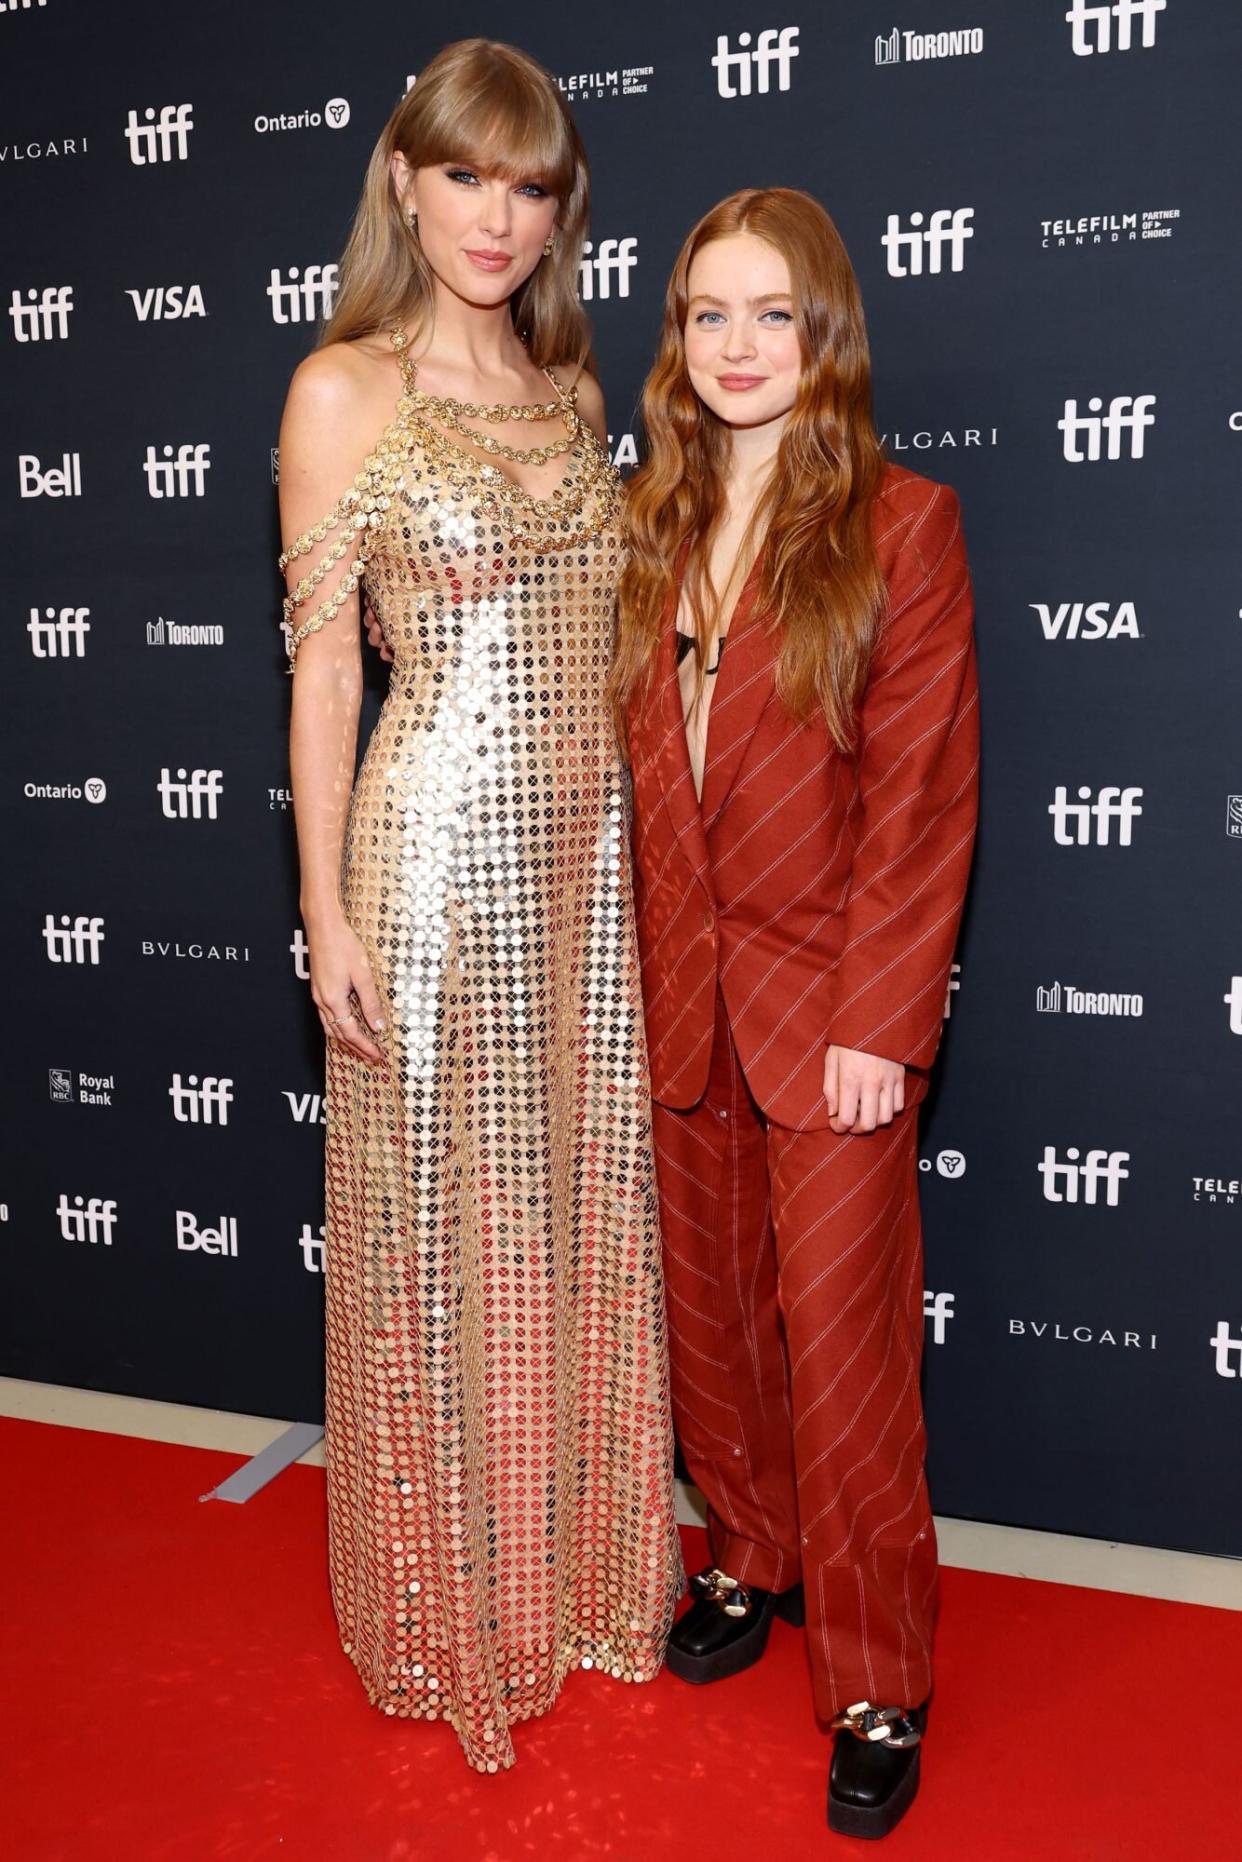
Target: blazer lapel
{"points": [[743, 686]]}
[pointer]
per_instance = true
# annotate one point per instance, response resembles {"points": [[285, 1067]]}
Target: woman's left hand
{"points": [[862, 1090]]}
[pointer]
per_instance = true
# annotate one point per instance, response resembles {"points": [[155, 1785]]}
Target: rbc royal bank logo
{"points": [[1091, 25], [1128, 414], [948, 229], [1111, 804], [41, 316], [1080, 1181], [162, 138], [612, 258], [309, 292], [750, 67]]}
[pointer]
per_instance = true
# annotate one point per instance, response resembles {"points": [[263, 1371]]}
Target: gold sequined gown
{"points": [[498, 1440]]}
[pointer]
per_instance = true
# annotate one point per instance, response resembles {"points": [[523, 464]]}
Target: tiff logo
{"points": [[1084, 15], [311, 1245], [180, 477], [162, 140], [191, 1237], [309, 294], [1127, 413], [182, 799], [198, 1105], [20, 6], [1106, 1167], [948, 226], [75, 940], [951, 989], [1233, 999], [1111, 804], [938, 1308], [301, 956], [59, 633], [612, 257], [1226, 1346], [773, 47], [45, 316], [91, 1221]]}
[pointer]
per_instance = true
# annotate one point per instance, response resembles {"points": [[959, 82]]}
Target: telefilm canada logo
{"points": [[624, 81], [1224, 1190], [761, 62], [333, 115], [913, 48], [1076, 231]]}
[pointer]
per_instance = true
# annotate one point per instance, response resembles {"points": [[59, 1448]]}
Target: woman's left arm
{"points": [[918, 785]]}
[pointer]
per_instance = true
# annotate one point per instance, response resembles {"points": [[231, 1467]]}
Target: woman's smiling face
{"points": [[743, 356]]}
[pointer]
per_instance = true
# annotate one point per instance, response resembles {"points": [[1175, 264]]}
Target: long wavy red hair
{"points": [[819, 579]]}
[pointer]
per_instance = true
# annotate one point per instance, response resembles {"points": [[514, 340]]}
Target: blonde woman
{"points": [[498, 1437]]}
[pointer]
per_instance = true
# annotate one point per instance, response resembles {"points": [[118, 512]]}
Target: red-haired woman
{"points": [[795, 673]]}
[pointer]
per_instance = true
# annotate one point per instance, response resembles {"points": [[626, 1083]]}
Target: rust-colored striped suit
{"points": [[811, 898]]}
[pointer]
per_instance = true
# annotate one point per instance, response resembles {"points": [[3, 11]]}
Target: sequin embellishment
{"points": [[498, 1442]]}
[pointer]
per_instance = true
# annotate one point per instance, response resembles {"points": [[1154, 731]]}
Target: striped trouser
{"points": [[793, 1268]]}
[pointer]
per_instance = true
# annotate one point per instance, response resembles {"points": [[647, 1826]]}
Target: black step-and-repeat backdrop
{"points": [[1041, 202]]}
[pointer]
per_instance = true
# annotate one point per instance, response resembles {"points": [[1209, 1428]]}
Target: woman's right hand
{"points": [[375, 633], [343, 988]]}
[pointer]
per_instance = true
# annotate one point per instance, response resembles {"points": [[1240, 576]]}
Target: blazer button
{"points": [[709, 923]]}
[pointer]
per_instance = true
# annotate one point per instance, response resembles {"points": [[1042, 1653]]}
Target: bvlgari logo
{"points": [[194, 951], [1052, 1331], [932, 439], [51, 149]]}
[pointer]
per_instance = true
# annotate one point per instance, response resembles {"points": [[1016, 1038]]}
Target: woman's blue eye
{"points": [[534, 190], [783, 316], [704, 316], [460, 174]]}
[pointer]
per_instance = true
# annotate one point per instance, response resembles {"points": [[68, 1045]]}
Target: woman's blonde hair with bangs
{"points": [[488, 104]]}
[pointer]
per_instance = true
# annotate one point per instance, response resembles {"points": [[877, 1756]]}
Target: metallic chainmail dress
{"points": [[498, 1442]]}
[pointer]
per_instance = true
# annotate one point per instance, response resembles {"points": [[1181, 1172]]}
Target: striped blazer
{"points": [[824, 892]]}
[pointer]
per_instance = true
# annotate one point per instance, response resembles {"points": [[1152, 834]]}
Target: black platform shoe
{"points": [[726, 1628], [875, 1768]]}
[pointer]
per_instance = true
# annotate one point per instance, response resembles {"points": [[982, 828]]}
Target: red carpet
{"points": [[177, 1694]]}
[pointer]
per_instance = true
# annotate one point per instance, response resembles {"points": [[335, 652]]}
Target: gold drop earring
{"points": [[548, 247]]}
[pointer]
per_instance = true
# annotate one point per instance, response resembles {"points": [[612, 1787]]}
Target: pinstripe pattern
{"points": [[824, 892], [811, 898], [793, 1271]]}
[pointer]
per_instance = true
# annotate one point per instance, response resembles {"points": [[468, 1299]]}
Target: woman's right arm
{"points": [[323, 438]]}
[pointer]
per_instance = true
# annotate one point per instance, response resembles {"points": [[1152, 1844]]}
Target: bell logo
{"points": [[938, 1310], [1106, 1167], [45, 316], [1226, 1348], [1127, 413], [310, 293], [84, 1220], [36, 481], [164, 139], [76, 940], [1111, 804], [600, 264], [58, 633], [190, 1237], [205, 1104], [948, 226], [1091, 25], [774, 46]]}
